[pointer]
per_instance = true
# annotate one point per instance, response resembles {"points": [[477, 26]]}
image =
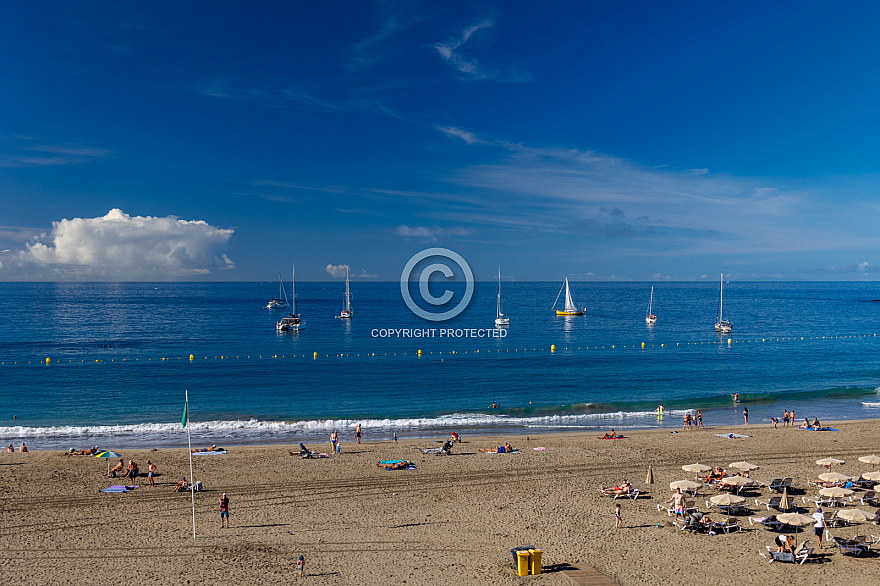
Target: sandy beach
{"points": [[453, 520]]}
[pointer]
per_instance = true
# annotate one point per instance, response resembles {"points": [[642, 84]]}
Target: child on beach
{"points": [[617, 516], [395, 437], [300, 564]]}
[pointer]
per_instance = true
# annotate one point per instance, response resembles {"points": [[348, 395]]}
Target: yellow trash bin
{"points": [[522, 563], [535, 560]]}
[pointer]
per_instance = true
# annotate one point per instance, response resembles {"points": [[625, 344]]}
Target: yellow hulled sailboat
{"points": [[570, 308]]}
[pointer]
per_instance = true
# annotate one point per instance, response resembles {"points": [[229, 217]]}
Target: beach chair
{"points": [[776, 485], [849, 546], [832, 520], [870, 498], [770, 523], [443, 450], [689, 509], [864, 483], [304, 452], [632, 495], [787, 483], [798, 556]]}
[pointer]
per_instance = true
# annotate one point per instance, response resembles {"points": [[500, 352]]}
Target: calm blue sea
{"points": [[120, 361]]}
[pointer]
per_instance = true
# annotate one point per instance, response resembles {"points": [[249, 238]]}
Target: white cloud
{"points": [[118, 246], [429, 234], [337, 271]]}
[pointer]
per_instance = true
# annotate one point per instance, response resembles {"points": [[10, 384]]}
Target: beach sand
{"points": [[451, 521]]}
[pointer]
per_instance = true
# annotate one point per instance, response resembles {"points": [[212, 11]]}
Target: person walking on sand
{"points": [[820, 526], [151, 472], [357, 433], [617, 516], [746, 415], [300, 565], [224, 511]]}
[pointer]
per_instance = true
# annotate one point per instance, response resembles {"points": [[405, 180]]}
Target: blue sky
{"points": [[597, 140]]}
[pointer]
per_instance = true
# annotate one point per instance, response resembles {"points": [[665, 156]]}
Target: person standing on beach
{"points": [[785, 418], [791, 418], [357, 433], [746, 415], [151, 471], [617, 516], [300, 565], [334, 439], [700, 419], [678, 503], [395, 437], [132, 471], [224, 511]]}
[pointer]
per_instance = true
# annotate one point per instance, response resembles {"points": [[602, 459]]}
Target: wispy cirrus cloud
{"points": [[452, 51], [430, 234], [28, 151]]}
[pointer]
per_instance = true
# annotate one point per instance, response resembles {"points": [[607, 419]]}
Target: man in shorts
{"points": [[224, 511]]}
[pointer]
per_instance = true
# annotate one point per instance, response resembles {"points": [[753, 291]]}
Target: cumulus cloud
{"points": [[337, 271], [118, 246]]}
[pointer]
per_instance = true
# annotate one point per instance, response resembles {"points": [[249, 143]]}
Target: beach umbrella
{"points": [[684, 485], [833, 477], [744, 466], [795, 519], [857, 515], [737, 481], [650, 478], [784, 503], [727, 499], [696, 468], [871, 475], [835, 492], [829, 461], [872, 459], [108, 455]]}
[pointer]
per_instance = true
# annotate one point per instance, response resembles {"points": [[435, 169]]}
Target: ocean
{"points": [[121, 357]]}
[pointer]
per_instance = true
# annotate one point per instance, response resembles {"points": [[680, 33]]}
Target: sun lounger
{"points": [[770, 523], [632, 495], [799, 556], [832, 520], [776, 485], [787, 483], [689, 509], [736, 509], [849, 546], [870, 498], [772, 503]]}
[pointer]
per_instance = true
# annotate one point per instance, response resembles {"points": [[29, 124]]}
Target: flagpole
{"points": [[192, 482]]}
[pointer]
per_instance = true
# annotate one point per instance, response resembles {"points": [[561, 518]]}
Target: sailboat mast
{"points": [[651, 302], [293, 291], [347, 292], [721, 301], [498, 311]]}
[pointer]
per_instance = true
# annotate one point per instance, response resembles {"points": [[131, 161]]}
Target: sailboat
{"points": [[500, 318], [278, 302], [650, 317], [346, 312], [722, 326], [570, 308], [292, 322]]}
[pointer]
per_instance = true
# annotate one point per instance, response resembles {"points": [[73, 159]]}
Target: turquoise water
{"points": [[808, 346]]}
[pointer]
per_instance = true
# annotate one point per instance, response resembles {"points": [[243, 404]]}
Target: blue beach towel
{"points": [[209, 453], [820, 429], [732, 435], [119, 488]]}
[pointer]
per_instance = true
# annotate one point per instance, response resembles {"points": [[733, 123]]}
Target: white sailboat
{"points": [[278, 302], [501, 320], [570, 308], [650, 317], [722, 326], [346, 312], [292, 322]]}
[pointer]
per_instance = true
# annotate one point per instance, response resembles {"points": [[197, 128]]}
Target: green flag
{"points": [[185, 413]]}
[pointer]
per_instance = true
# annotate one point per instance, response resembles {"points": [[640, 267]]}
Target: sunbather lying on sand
{"points": [[402, 465], [89, 452], [213, 448], [505, 449]]}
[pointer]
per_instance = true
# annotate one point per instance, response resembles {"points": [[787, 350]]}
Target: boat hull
{"points": [[569, 312]]}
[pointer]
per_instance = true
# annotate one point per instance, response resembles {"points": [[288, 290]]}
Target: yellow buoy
{"points": [[420, 352], [553, 347], [47, 361], [643, 344], [315, 356], [191, 357]]}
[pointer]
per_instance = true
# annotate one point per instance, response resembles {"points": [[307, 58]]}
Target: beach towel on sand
{"points": [[209, 453], [119, 488], [731, 435], [819, 429]]}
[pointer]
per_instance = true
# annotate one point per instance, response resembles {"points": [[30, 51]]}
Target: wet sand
{"points": [[453, 520]]}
